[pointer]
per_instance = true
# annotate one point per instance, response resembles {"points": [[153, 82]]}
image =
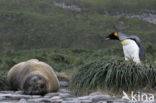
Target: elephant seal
{"points": [[33, 77]]}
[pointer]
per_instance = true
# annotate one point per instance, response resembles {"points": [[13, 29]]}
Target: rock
{"points": [[121, 25], [22, 101], [97, 93], [36, 96], [64, 84], [55, 98], [84, 97], [120, 101], [110, 101], [102, 102], [64, 5], [19, 92], [100, 95], [86, 101], [2, 98], [6, 92], [39, 100], [13, 97], [64, 91], [49, 95], [96, 98], [12, 101], [69, 99], [57, 101], [32, 100], [146, 102], [77, 101], [66, 95], [68, 102], [3, 95], [26, 96], [131, 102], [44, 100]]}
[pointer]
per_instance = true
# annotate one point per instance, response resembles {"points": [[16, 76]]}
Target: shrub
{"points": [[113, 75]]}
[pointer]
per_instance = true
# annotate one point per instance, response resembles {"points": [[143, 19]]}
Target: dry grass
{"points": [[63, 76]]}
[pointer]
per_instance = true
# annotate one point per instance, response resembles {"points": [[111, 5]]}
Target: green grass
{"points": [[3, 81], [40, 24], [115, 76], [64, 61]]}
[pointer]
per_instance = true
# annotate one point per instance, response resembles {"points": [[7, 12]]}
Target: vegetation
{"points": [[67, 61], [36, 24], [114, 76], [3, 81]]}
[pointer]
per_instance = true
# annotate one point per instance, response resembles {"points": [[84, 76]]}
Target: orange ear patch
{"points": [[116, 34]]}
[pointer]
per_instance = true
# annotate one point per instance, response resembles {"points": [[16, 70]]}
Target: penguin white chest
{"points": [[131, 50]]}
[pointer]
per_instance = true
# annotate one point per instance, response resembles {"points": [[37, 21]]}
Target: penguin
{"points": [[132, 46]]}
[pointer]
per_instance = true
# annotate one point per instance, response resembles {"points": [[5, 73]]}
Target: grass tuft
{"points": [[113, 75], [3, 81]]}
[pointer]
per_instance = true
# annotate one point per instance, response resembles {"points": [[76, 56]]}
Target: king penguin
{"points": [[132, 46]]}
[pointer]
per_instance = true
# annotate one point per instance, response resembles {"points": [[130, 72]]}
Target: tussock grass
{"points": [[3, 81], [113, 75], [62, 76]]}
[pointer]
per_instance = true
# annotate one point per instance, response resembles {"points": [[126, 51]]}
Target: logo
{"points": [[138, 97]]}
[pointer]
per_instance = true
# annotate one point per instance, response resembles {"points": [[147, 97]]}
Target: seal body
{"points": [[33, 77]]}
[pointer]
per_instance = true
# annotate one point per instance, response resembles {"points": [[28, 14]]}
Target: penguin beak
{"points": [[107, 38]]}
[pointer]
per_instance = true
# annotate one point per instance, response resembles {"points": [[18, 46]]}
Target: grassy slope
{"points": [[59, 59], [115, 6], [127, 6], [40, 24], [64, 60]]}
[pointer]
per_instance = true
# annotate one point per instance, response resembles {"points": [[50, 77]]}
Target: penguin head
{"points": [[121, 36], [112, 36]]}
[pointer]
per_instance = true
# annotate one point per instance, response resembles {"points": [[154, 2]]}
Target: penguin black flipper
{"points": [[141, 47]]}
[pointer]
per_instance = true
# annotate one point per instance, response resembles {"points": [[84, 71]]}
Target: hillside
{"points": [[30, 24]]}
